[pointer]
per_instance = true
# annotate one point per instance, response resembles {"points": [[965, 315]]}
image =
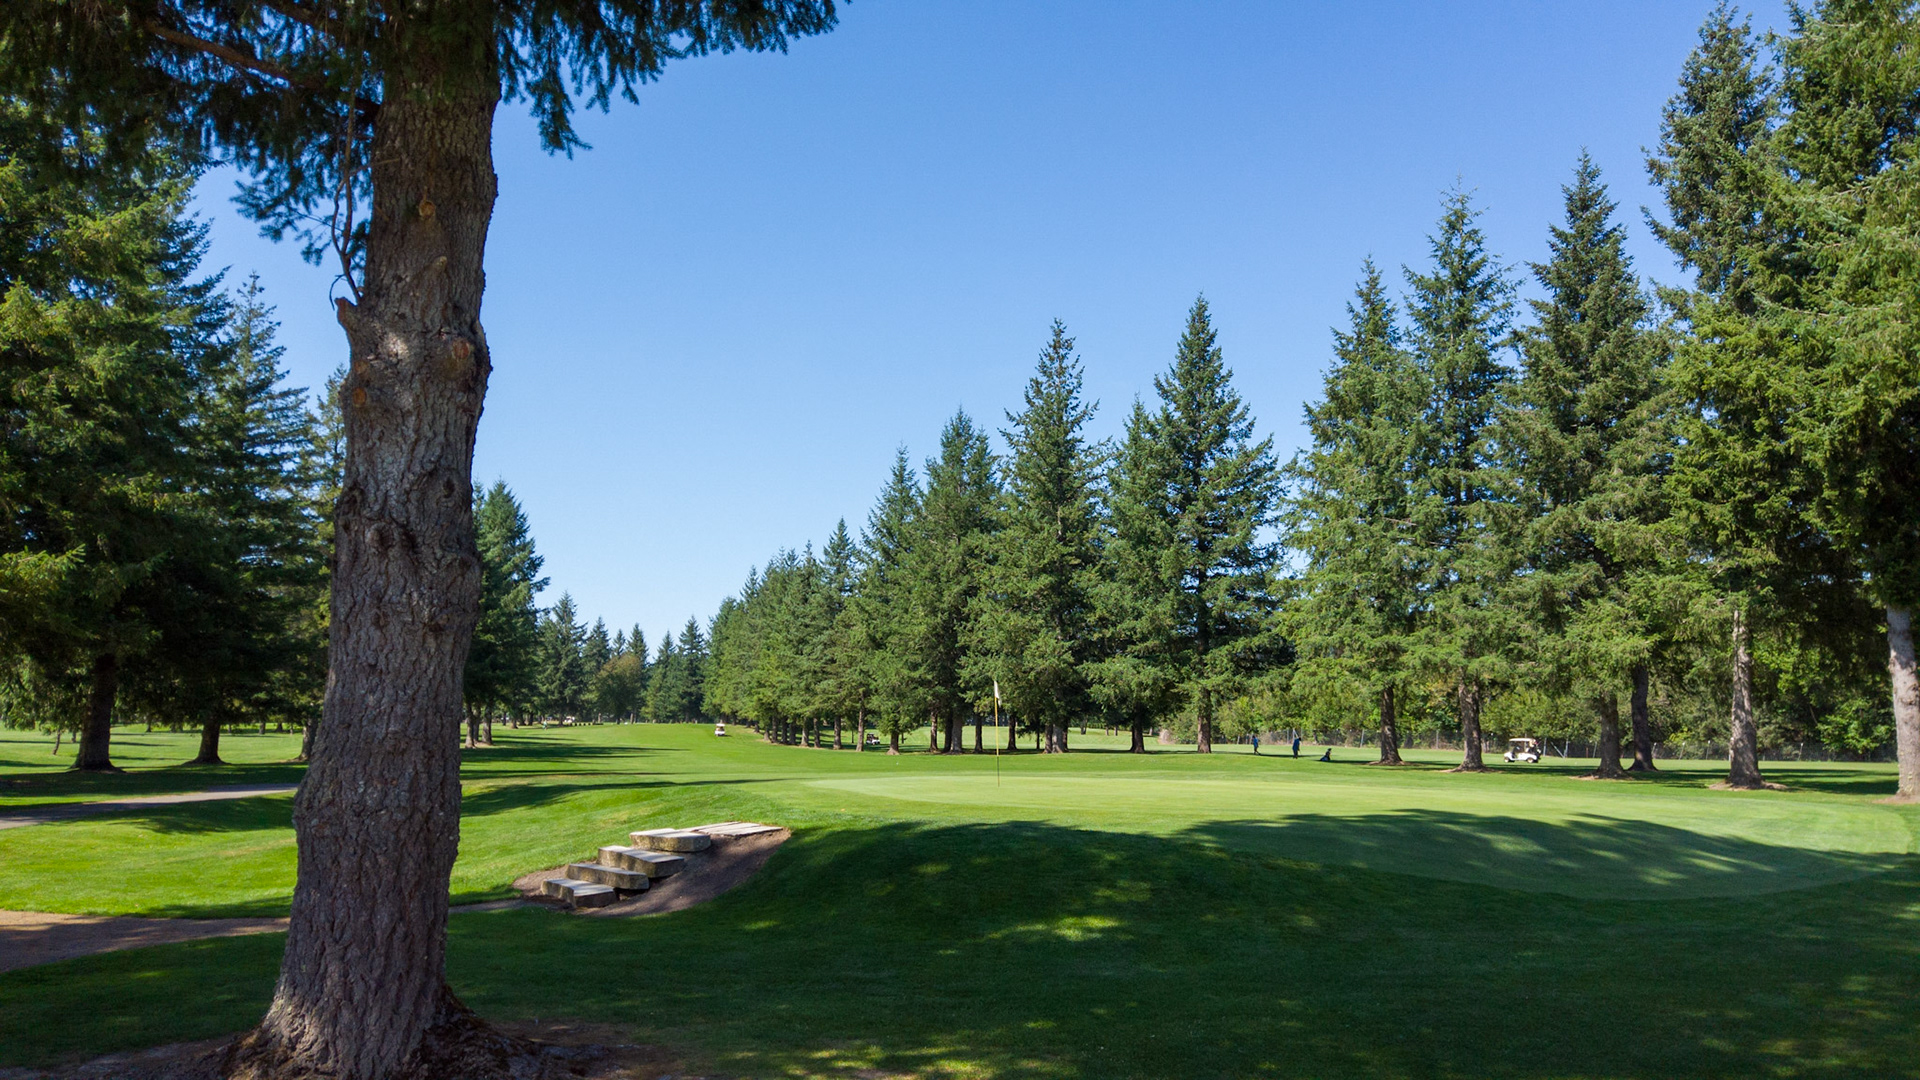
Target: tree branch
{"points": [[238, 59], [232, 56]]}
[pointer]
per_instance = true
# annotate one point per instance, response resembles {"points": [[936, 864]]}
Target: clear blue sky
{"points": [[711, 331]]}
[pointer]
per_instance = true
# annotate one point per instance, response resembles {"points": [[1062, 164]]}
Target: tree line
{"points": [[1618, 511]]}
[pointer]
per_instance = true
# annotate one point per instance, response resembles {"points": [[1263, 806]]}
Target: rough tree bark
{"points": [[1468, 694], [979, 733], [1608, 708], [486, 728], [1642, 723], [956, 732], [837, 744], [94, 752], [1139, 742], [473, 727], [1743, 737], [893, 742], [860, 732], [1389, 729], [209, 745], [1906, 698], [362, 993]]}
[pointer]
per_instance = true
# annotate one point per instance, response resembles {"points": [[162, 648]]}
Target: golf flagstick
{"points": [[996, 733]]}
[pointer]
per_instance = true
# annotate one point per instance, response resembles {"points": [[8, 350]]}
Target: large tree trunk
{"points": [[1468, 695], [893, 742], [956, 732], [1906, 698], [860, 732], [473, 727], [1013, 733], [837, 744], [486, 728], [209, 745], [1203, 743], [1608, 708], [1389, 729], [1139, 743], [1743, 735], [94, 753], [979, 733], [1642, 723], [362, 992]]}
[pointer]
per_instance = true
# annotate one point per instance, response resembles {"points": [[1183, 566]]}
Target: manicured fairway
{"points": [[1097, 915]]}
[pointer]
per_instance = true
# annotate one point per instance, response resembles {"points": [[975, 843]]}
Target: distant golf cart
{"points": [[1523, 751], [720, 727]]}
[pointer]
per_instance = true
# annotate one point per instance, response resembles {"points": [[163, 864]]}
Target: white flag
{"points": [[996, 691]]}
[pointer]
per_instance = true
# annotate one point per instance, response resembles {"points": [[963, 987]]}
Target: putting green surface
{"points": [[1091, 915]]}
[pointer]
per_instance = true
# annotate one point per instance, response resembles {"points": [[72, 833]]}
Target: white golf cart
{"points": [[1523, 751], [720, 727]]}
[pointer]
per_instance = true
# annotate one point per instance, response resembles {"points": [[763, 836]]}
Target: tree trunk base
{"points": [[1464, 767], [1604, 773], [460, 1045], [106, 768], [1643, 766], [1752, 785], [203, 760], [1397, 761]]}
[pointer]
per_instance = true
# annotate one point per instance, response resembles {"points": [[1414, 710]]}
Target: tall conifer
{"points": [[1193, 492], [1355, 514]]}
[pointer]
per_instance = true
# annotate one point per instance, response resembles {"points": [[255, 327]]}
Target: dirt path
{"points": [[47, 815], [28, 938]]}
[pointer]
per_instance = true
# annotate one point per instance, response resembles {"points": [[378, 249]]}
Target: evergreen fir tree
{"points": [[1459, 315], [1033, 625], [1589, 442], [563, 667], [1192, 493], [1355, 517], [881, 614], [504, 661], [942, 571], [104, 328]]}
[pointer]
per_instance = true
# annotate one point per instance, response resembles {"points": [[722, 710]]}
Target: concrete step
{"points": [[579, 894], [671, 840], [655, 864], [624, 880], [735, 828]]}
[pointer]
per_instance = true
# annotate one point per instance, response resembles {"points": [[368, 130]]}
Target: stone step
{"points": [[579, 894], [656, 864], [671, 840], [735, 828], [624, 880]]}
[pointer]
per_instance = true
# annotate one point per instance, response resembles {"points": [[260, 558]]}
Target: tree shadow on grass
{"points": [[1588, 856], [1029, 950]]}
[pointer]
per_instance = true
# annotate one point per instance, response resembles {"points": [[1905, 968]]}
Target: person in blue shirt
{"points": [[1296, 746]]}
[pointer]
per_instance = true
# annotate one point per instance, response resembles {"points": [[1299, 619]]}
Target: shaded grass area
{"points": [[1029, 950], [154, 764], [1097, 915]]}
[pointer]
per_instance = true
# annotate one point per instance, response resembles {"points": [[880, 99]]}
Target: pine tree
{"points": [[1459, 315], [1192, 493], [504, 659], [1589, 441], [104, 331], [237, 641], [882, 615], [1743, 482], [1355, 516], [943, 568], [563, 667], [1033, 624], [1845, 214]]}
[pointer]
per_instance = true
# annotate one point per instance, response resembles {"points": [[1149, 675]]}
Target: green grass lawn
{"points": [[1094, 915]]}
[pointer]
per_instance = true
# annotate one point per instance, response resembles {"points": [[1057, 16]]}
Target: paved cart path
{"points": [[29, 938], [47, 815]]}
